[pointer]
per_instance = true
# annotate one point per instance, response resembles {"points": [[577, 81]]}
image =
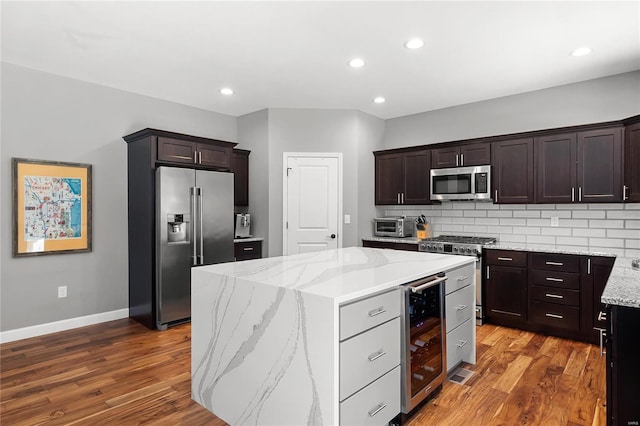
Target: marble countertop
{"points": [[623, 286], [542, 248], [342, 275], [406, 240], [247, 240]]}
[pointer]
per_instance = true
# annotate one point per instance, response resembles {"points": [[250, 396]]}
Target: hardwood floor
{"points": [[120, 373]]}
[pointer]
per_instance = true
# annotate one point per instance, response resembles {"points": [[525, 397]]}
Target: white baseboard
{"points": [[68, 324]]}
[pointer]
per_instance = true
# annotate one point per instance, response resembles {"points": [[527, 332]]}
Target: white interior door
{"points": [[312, 202]]}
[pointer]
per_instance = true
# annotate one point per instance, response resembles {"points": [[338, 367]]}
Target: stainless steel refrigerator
{"points": [[194, 227]]}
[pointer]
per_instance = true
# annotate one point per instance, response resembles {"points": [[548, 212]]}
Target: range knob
{"points": [[455, 249]]}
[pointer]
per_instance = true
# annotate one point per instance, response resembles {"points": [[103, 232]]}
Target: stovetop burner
{"points": [[461, 239]]}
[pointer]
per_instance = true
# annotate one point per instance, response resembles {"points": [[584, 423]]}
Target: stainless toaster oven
{"points": [[395, 226]]}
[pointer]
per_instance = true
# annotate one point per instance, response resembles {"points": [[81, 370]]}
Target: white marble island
{"points": [[266, 333]]}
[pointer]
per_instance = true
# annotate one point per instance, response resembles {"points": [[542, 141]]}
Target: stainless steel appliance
{"points": [[194, 228], [424, 340], [465, 246], [394, 226], [461, 183], [243, 225]]}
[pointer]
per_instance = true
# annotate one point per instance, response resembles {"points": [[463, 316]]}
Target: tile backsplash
{"points": [[610, 228]]}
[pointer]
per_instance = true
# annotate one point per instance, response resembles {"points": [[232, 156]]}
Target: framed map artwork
{"points": [[51, 207]]}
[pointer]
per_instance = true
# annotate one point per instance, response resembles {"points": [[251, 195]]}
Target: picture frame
{"points": [[51, 207]]}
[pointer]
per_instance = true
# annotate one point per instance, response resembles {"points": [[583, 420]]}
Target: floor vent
{"points": [[460, 376]]}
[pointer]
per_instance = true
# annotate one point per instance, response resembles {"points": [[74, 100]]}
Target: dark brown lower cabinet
{"points": [[248, 250], [505, 288], [623, 368], [390, 245]]}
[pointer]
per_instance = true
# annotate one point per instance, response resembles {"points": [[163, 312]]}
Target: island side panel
{"points": [[258, 348]]}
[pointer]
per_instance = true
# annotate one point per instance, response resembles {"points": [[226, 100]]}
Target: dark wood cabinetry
{"points": [[247, 250], [623, 368], [402, 178], [213, 154], [240, 169], [512, 172], [632, 163], [595, 273], [505, 287], [474, 154], [390, 245], [583, 167]]}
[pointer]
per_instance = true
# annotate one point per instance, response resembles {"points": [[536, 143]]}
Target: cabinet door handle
{"points": [[377, 311], [495, 199], [457, 164], [461, 343], [377, 409], [573, 194], [462, 159], [602, 336], [589, 266], [487, 272], [554, 296], [554, 263], [461, 307], [247, 248], [507, 259], [195, 157], [624, 192], [377, 355], [579, 193], [398, 198], [199, 157], [402, 198], [557, 280], [602, 316], [553, 316]]}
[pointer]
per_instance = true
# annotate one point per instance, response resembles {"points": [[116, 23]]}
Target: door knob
{"points": [[333, 236]]}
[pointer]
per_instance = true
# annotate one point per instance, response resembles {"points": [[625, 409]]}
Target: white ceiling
{"points": [[295, 54]]}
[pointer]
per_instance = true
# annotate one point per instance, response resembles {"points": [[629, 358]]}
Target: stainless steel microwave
{"points": [[461, 183], [395, 226]]}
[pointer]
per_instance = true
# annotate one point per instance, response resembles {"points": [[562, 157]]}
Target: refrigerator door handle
{"points": [[200, 216], [194, 256]]}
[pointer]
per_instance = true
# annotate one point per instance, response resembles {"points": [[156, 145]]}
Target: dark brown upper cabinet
{"points": [[402, 178], [475, 154], [512, 171], [632, 163], [583, 167], [240, 169]]}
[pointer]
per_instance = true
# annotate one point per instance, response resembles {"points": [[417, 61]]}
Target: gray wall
{"points": [[603, 99], [54, 118]]}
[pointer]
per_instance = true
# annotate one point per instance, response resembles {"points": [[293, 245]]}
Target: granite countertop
{"points": [[542, 248], [623, 286], [406, 240], [247, 240], [343, 275]]}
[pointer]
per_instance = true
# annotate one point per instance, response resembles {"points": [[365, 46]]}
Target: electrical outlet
{"points": [[62, 292], [555, 221], [347, 218]]}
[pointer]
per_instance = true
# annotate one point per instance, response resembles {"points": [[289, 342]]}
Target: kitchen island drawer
{"points": [[459, 278], [376, 404], [554, 279], [517, 259], [555, 295], [364, 314], [368, 356], [459, 307], [555, 262], [560, 316], [459, 344], [247, 250]]}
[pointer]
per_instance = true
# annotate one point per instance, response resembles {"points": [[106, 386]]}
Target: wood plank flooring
{"points": [[120, 373]]}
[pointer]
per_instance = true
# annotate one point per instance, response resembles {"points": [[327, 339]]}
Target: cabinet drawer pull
{"points": [[247, 248], [554, 316], [377, 311], [377, 409], [554, 263], [377, 355], [463, 278], [557, 280], [461, 307], [602, 316], [555, 296], [508, 259], [498, 311], [461, 343]]}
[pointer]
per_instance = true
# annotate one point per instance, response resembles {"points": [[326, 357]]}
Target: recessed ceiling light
{"points": [[414, 43], [356, 63], [581, 51], [226, 91], [379, 100]]}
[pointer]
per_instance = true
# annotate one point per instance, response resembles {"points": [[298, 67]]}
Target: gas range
{"points": [[455, 244]]}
